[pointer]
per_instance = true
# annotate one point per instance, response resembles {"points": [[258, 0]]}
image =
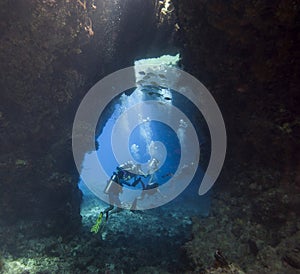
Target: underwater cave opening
{"points": [[147, 134], [140, 231], [129, 130]]}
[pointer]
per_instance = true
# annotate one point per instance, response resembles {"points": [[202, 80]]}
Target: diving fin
{"points": [[96, 227]]}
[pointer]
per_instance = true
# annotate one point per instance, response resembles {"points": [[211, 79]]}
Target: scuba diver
{"points": [[152, 187], [113, 188], [124, 174]]}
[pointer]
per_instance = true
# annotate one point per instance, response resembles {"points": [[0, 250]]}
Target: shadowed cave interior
{"points": [[245, 53]]}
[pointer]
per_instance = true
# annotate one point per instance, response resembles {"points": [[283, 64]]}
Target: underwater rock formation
{"points": [[39, 84], [51, 53], [246, 53]]}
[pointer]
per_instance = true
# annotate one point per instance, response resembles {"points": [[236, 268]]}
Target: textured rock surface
{"points": [[51, 53], [38, 88], [246, 53]]}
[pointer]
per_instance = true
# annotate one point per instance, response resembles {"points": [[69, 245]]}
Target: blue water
{"points": [[155, 131], [166, 135]]}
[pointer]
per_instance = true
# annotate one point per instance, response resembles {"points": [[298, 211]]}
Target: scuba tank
{"points": [[111, 184], [153, 165]]}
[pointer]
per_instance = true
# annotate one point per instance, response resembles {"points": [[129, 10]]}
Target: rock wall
{"points": [[51, 53], [39, 84], [247, 54]]}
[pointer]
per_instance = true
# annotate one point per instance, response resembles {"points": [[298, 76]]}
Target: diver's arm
{"points": [[126, 183]]}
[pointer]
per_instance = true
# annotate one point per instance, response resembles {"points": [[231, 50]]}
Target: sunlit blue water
{"points": [[142, 136], [158, 132]]}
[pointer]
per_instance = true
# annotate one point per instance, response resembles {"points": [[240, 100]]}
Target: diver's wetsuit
{"points": [[152, 187], [119, 180], [115, 188]]}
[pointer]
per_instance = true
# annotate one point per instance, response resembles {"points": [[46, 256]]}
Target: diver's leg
{"points": [[112, 201], [137, 181], [111, 207], [142, 195], [116, 201], [118, 204], [133, 206]]}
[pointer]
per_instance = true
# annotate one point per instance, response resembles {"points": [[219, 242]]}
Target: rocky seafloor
{"points": [[260, 234]]}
